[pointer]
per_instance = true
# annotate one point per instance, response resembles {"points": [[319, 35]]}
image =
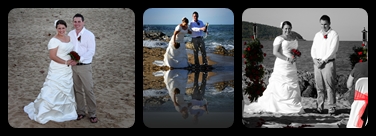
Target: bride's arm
{"points": [[277, 51], [55, 58], [174, 35]]}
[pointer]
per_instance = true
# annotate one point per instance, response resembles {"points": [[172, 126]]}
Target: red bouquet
{"points": [[74, 56], [295, 52]]}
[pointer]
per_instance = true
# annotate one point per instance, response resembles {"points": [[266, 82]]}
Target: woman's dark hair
{"points": [[326, 18], [185, 20], [61, 22], [79, 15], [286, 23]]}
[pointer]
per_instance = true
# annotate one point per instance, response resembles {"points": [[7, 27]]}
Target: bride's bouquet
{"points": [[295, 53], [176, 45], [74, 56]]}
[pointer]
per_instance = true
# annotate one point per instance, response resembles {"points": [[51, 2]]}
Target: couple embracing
{"points": [[283, 94], [176, 54], [62, 96]]}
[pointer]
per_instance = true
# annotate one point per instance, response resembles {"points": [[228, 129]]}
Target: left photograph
{"points": [[71, 68], [188, 63]]}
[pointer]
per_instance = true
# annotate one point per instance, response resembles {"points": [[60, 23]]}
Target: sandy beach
{"points": [[29, 31]]}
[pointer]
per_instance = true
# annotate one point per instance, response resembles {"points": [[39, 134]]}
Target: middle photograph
{"points": [[188, 68]]}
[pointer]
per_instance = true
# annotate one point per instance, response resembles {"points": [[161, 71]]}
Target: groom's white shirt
{"points": [[325, 49], [85, 48], [195, 28]]}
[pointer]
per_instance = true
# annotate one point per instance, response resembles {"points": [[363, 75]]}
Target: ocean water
{"points": [[218, 35]]}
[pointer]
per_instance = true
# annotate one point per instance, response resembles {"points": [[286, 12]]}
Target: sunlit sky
{"points": [[174, 15], [348, 22]]}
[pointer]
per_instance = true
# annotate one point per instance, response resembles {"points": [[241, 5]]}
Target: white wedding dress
{"points": [[282, 94], [56, 100], [177, 78], [177, 58]]}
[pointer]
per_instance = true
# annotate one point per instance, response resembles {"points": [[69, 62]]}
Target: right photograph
{"points": [[305, 68]]}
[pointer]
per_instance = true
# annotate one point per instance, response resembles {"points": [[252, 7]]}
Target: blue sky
{"points": [[348, 22], [174, 15]]}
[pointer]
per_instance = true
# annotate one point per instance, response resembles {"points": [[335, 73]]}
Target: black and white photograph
{"points": [[305, 68]]}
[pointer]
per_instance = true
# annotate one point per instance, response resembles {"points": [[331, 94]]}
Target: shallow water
{"points": [[160, 112]]}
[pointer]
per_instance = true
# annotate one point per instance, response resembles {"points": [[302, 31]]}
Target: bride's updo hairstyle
{"points": [[60, 22], [185, 20], [285, 23]]}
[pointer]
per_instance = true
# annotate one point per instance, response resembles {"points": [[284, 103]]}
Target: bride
{"points": [[282, 94], [176, 53], [56, 100]]}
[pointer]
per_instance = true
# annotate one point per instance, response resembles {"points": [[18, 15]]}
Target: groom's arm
{"points": [[313, 51], [90, 49], [197, 28]]}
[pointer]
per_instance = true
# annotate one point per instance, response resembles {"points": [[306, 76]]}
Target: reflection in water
{"points": [[176, 82], [198, 104], [186, 105]]}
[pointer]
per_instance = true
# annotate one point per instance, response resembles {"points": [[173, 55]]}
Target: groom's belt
{"points": [[83, 63]]}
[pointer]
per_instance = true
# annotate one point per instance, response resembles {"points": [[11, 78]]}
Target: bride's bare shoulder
{"points": [[281, 37]]}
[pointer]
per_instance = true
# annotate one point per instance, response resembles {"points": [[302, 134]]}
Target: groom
{"points": [[198, 28], [323, 52], [84, 41]]}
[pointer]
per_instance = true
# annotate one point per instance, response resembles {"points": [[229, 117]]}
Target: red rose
{"points": [[74, 56], [79, 38], [296, 52], [360, 53], [326, 36], [363, 44]]}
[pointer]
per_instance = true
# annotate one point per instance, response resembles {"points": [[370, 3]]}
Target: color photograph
{"points": [[188, 68], [71, 68], [305, 67]]}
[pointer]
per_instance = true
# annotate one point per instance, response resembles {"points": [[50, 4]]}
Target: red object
{"points": [[363, 44], [361, 97], [296, 52], [326, 36], [74, 56], [79, 38]]}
